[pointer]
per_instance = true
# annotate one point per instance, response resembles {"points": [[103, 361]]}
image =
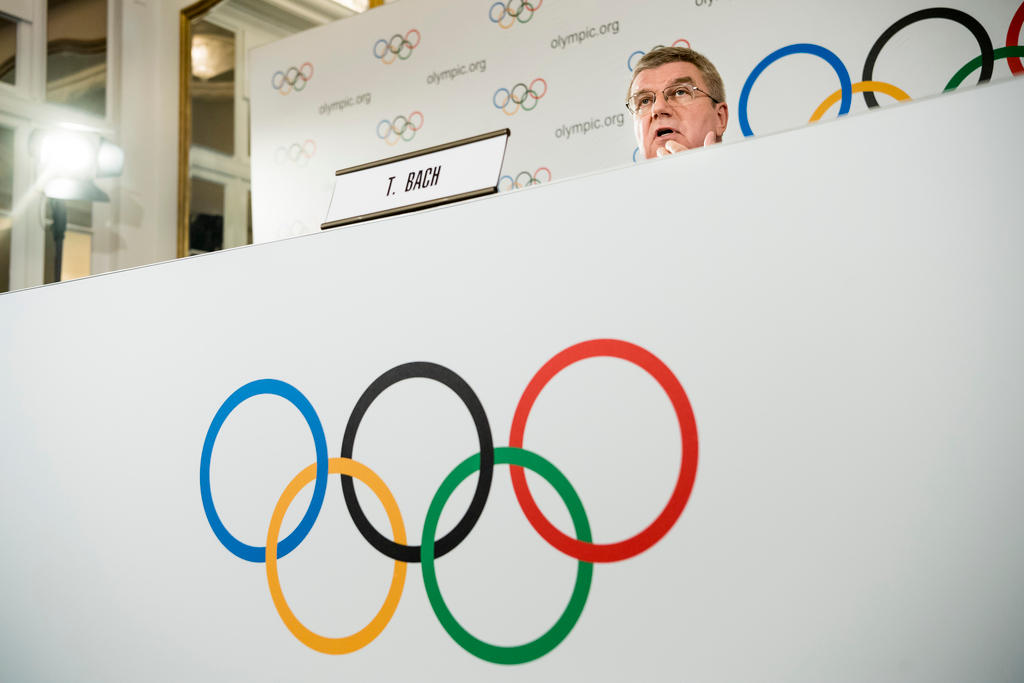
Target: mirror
{"points": [[213, 111]]}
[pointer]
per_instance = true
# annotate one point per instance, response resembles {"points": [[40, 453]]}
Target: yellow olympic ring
{"points": [[345, 644], [863, 86]]}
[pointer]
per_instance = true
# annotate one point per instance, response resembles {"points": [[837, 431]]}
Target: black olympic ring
{"points": [[965, 20], [438, 373]]}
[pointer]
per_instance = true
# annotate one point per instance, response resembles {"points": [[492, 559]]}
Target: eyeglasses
{"points": [[680, 94]]}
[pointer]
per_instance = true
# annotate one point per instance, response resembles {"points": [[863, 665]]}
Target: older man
{"points": [[677, 100]]}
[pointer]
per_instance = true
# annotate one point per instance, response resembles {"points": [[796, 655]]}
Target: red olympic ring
{"points": [[533, 82], [1013, 38], [621, 550]]}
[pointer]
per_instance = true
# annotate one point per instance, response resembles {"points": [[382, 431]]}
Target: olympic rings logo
{"points": [[868, 85], [294, 79], [296, 153], [524, 179], [400, 128], [509, 12], [519, 97], [399, 47], [579, 547], [634, 56]]}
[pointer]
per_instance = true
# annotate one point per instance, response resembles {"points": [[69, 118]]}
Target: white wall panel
{"points": [[451, 62], [841, 305]]}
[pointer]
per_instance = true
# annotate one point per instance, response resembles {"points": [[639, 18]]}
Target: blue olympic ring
{"points": [[629, 60], [845, 84], [636, 150], [286, 391]]}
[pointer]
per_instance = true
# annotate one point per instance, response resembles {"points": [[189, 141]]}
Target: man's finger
{"points": [[674, 147]]}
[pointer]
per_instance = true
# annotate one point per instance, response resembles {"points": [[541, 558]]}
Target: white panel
{"points": [[841, 305]]}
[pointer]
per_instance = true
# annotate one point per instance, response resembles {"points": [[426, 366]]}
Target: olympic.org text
{"points": [[342, 105], [584, 127], [451, 74], [562, 42]]}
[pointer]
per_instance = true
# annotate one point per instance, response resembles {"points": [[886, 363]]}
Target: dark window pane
{"points": [[76, 54], [8, 49], [213, 87], [206, 217]]}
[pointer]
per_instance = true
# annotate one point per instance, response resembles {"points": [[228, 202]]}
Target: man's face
{"points": [[687, 125]]}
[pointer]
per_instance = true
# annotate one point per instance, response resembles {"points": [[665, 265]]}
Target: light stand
{"points": [[59, 226]]}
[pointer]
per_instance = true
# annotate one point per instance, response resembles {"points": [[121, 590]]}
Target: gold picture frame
{"points": [[187, 16]]}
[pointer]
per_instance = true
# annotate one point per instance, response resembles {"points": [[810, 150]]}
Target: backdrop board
{"points": [[782, 434], [420, 73]]}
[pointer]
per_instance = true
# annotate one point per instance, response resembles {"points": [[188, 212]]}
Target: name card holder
{"points": [[418, 180]]}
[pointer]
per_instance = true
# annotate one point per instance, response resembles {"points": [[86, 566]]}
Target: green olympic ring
{"points": [[516, 654], [975, 64]]}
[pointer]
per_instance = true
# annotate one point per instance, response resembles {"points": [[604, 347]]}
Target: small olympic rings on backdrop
{"points": [[292, 79], [400, 128], [984, 62], [397, 47], [580, 546], [524, 179], [520, 96], [506, 14], [299, 154], [636, 55]]}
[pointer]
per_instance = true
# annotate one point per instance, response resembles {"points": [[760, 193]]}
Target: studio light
{"points": [[68, 161], [67, 153]]}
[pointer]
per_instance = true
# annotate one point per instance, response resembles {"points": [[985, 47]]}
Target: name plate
{"points": [[430, 177]]}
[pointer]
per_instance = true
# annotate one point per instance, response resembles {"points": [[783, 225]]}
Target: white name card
{"points": [[447, 173]]}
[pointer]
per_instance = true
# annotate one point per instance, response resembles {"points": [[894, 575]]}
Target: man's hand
{"points": [[673, 147]]}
